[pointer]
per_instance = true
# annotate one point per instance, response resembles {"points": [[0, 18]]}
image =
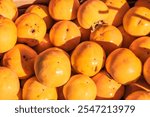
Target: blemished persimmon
{"points": [[88, 58], [108, 36], [52, 67], [9, 84], [65, 34], [144, 3], [127, 38], [44, 44], [80, 87], [42, 11], [8, 34], [107, 88], [34, 90], [139, 95], [136, 21], [124, 66], [20, 59], [31, 29], [146, 70], [8, 9], [117, 9], [63, 9], [141, 47], [91, 12]]}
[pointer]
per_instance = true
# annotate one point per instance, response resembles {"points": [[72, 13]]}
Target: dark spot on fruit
{"points": [[33, 30], [25, 58], [67, 29], [96, 68], [148, 52]]}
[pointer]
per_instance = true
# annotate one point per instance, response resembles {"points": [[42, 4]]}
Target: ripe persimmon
{"points": [[146, 70]]}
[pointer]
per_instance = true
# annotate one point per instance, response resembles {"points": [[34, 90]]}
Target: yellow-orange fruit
{"points": [[146, 70]]}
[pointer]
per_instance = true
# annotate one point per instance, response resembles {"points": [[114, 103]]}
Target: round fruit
{"points": [[108, 36], [80, 87], [8, 34], [9, 84], [42, 11], [65, 35], [146, 70], [88, 58], [20, 59], [91, 12], [52, 67], [63, 9], [34, 90], [31, 29], [8, 9], [107, 88], [136, 21], [141, 47], [117, 9], [123, 66], [139, 95]]}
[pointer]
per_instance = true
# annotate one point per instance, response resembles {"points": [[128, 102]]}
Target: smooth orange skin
{"points": [[8, 9], [107, 88], [127, 39], [65, 35], [44, 44], [42, 11], [117, 9], [136, 21], [141, 47], [80, 87], [20, 59], [9, 84], [139, 95], [146, 70], [34, 90], [88, 58], [63, 9], [31, 29], [108, 36], [144, 3], [52, 67], [90, 12], [8, 34], [123, 66]]}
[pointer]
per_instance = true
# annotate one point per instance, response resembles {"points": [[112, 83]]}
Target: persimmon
{"points": [[34, 90], [8, 34], [20, 59], [31, 29], [65, 35], [88, 58], [124, 66], [80, 87], [107, 88], [52, 67], [63, 9], [146, 70], [91, 12]]}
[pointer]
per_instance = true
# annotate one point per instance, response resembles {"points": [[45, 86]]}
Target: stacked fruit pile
{"points": [[75, 50]]}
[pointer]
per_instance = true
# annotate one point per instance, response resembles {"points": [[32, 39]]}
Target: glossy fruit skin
{"points": [[123, 66], [91, 12], [141, 48], [117, 9], [42, 11], [65, 35], [9, 84], [8, 34], [80, 87], [20, 59], [63, 9], [139, 95], [31, 29], [146, 70], [136, 21], [34, 90], [107, 88], [108, 36], [88, 58], [8, 9], [52, 67]]}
